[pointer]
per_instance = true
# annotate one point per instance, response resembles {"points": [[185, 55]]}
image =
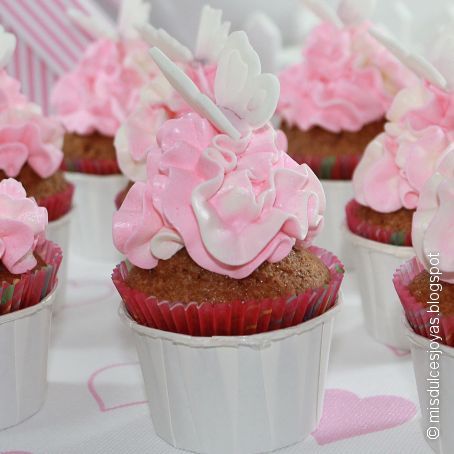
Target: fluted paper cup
{"points": [[24, 343], [235, 394], [94, 200], [420, 348], [58, 232], [338, 194], [375, 264]]}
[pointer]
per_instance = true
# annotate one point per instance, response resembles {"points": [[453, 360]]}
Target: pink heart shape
{"points": [[345, 415], [93, 290], [398, 352], [102, 400]]}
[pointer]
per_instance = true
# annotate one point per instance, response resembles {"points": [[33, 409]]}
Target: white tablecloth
{"points": [[96, 402]]}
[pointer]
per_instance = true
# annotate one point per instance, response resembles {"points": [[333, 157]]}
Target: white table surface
{"points": [[96, 401]]}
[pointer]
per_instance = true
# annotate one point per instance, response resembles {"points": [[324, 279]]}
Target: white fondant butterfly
{"points": [[244, 98], [349, 12], [7, 46], [133, 14], [211, 37], [442, 76]]}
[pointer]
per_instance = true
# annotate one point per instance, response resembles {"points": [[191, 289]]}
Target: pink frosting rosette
{"points": [[397, 164], [22, 227], [433, 221], [26, 136], [346, 80], [159, 102], [104, 87], [233, 205]]}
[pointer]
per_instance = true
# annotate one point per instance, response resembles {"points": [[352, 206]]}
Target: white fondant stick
{"points": [[416, 63], [192, 95]]}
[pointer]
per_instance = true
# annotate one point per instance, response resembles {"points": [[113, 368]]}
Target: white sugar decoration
{"points": [[133, 14], [354, 12], [416, 63], [240, 88], [212, 34], [443, 57], [7, 46], [192, 95], [323, 11], [167, 43], [93, 23]]}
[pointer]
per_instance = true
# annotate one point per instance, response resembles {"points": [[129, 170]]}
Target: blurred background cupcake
{"points": [[91, 101], [333, 103], [28, 277], [425, 285], [388, 182], [30, 151], [218, 247]]}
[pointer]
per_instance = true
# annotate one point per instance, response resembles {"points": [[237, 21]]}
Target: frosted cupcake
{"points": [[387, 184], [92, 101], [28, 270], [218, 246], [425, 285], [159, 101], [30, 151], [334, 102]]}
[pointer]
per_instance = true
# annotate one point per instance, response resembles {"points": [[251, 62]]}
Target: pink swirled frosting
{"points": [[159, 102], [346, 80], [26, 136], [397, 164], [22, 227], [104, 87], [233, 205], [433, 221]]}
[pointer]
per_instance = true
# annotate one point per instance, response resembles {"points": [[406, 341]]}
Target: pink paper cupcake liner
{"points": [[331, 167], [232, 318], [415, 311], [372, 232], [91, 166], [57, 205], [32, 287]]}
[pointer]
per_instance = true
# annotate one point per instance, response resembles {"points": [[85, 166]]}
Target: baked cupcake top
{"points": [[22, 227], [104, 87], [159, 101], [219, 181], [433, 221], [27, 137], [417, 138], [346, 79]]}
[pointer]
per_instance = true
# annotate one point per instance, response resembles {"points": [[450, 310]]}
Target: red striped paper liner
{"points": [[416, 311], [59, 204], [32, 287], [339, 167], [361, 227], [91, 166], [234, 318]]}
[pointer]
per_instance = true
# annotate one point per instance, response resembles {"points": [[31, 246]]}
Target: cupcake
{"points": [[92, 101], [220, 267], [334, 102], [425, 285], [159, 101], [28, 269], [387, 184], [30, 152]]}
